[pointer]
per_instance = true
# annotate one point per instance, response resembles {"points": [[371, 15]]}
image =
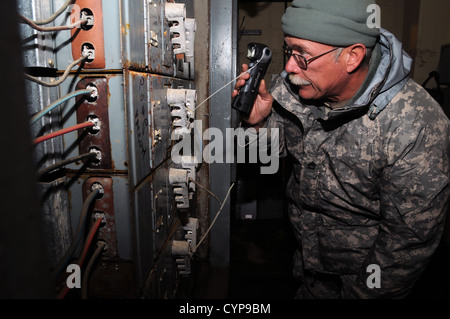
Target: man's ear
{"points": [[355, 57]]}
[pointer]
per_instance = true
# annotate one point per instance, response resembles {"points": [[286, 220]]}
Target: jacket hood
{"points": [[390, 73]]}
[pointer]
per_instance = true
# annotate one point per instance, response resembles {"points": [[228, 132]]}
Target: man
{"points": [[370, 148]]}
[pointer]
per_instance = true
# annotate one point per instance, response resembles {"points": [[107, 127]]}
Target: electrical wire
{"points": [[62, 79], [62, 132], [59, 101], [51, 168], [51, 29], [87, 272], [223, 87], [55, 15], [215, 218], [78, 234], [89, 239], [206, 190]]}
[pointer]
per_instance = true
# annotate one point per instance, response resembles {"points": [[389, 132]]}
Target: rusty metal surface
{"points": [[99, 108], [146, 37]]}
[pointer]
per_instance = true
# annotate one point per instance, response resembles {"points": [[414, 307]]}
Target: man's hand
{"points": [[263, 103]]}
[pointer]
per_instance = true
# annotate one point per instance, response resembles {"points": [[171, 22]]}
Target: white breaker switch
{"points": [[182, 179], [182, 103], [182, 250], [178, 178], [176, 14]]}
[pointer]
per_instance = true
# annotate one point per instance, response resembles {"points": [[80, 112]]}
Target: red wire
{"points": [[89, 239], [88, 243], [62, 132]]}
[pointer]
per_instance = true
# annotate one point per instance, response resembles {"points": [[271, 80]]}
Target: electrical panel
{"points": [[110, 93]]}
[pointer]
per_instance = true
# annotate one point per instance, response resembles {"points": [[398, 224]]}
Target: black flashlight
{"points": [[260, 56]]}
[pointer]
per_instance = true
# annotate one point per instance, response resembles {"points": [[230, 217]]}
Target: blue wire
{"points": [[50, 107]]}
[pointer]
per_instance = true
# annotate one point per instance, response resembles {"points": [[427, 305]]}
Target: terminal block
{"points": [[182, 250], [179, 180], [182, 36], [176, 14], [182, 181], [182, 103], [90, 40]]}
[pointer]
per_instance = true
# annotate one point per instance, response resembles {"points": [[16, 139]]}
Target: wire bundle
{"points": [[87, 245], [77, 241], [79, 235]]}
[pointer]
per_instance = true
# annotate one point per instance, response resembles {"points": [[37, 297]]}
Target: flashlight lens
{"points": [[251, 52]]}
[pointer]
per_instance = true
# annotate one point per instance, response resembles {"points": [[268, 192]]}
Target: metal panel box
{"points": [[149, 121]]}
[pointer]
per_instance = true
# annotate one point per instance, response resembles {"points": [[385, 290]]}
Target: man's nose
{"points": [[292, 66]]}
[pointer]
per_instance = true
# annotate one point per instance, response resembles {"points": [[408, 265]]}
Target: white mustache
{"points": [[296, 80]]}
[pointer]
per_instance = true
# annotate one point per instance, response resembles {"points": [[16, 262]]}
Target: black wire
{"points": [[87, 272], [51, 168], [77, 238]]}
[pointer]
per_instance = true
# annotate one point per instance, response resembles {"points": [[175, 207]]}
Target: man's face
{"points": [[324, 78]]}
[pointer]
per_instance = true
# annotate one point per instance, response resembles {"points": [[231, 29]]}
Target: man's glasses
{"points": [[300, 59]]}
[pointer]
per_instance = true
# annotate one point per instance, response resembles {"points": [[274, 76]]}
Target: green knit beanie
{"points": [[332, 22]]}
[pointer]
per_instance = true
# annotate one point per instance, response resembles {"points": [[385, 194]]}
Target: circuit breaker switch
{"points": [[176, 14], [182, 102], [178, 178], [181, 248], [182, 252]]}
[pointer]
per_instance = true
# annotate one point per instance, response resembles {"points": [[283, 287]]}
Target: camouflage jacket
{"points": [[370, 181]]}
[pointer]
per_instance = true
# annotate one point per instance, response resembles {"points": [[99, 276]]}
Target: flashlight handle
{"points": [[248, 93]]}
